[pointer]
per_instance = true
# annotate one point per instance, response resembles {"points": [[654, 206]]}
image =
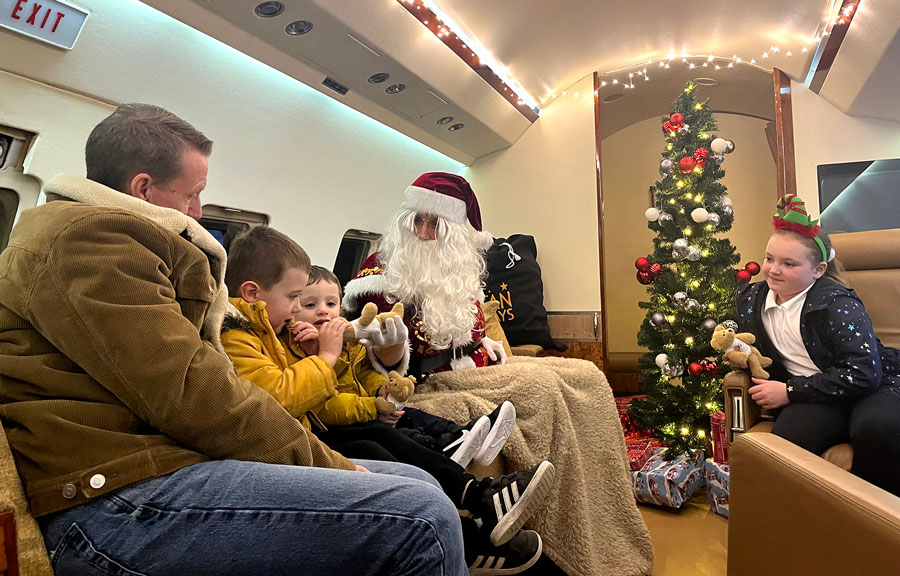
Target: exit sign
{"points": [[52, 21]]}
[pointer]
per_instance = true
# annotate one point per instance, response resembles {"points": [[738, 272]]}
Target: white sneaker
{"points": [[469, 443], [496, 438]]}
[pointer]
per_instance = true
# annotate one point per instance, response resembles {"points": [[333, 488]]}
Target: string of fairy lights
{"points": [[628, 77]]}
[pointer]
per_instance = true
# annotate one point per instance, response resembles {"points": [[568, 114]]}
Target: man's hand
{"points": [[495, 350], [769, 394], [391, 333]]}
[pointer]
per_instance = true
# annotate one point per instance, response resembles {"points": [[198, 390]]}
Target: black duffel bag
{"points": [[514, 280]]}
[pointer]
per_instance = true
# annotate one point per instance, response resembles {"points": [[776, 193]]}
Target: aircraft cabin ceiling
{"points": [[542, 48]]}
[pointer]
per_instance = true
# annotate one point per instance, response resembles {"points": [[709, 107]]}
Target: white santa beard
{"points": [[440, 278]]}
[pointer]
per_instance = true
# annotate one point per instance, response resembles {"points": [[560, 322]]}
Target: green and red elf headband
{"points": [[791, 215]]}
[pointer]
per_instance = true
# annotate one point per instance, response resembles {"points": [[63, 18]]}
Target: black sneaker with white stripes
{"points": [[510, 500], [519, 554]]}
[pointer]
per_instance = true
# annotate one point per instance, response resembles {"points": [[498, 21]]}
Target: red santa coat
{"points": [[369, 285]]}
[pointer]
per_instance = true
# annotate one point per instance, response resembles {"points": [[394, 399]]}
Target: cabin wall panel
{"points": [[545, 185], [630, 165], [315, 166], [825, 135]]}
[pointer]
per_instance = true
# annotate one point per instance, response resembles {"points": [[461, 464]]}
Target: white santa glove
{"points": [[495, 350], [391, 333]]}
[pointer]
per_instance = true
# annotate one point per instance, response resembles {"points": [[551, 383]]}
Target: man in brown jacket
{"points": [[140, 450]]}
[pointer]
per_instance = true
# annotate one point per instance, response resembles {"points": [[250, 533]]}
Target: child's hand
{"points": [[769, 394], [392, 418], [303, 331], [361, 468], [331, 340]]}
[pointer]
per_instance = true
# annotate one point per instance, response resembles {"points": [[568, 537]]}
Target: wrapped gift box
{"points": [[718, 480], [719, 438], [631, 430], [668, 482], [639, 451]]}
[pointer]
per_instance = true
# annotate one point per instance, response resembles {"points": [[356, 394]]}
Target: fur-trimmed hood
{"points": [[84, 191]]}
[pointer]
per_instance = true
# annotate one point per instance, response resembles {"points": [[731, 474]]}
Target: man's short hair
{"points": [[320, 274], [140, 138], [262, 255]]}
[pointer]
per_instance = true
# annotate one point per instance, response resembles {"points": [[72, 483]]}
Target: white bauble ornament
{"points": [[699, 215], [651, 214], [719, 145], [662, 360], [726, 201]]}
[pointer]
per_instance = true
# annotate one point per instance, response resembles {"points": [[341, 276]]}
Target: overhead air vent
{"points": [[335, 85], [298, 27], [378, 78], [268, 9]]}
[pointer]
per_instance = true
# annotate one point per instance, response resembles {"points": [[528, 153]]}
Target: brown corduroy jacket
{"points": [[105, 379]]}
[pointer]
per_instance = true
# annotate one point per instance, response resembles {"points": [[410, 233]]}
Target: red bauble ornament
{"points": [[695, 369], [743, 276], [686, 164], [644, 277], [753, 268], [701, 163], [710, 367], [677, 120], [655, 269], [642, 264], [701, 154], [667, 127]]}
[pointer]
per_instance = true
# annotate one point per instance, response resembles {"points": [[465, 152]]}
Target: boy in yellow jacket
{"points": [[266, 285]]}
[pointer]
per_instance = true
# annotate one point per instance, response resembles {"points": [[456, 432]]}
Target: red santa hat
{"points": [[447, 196]]}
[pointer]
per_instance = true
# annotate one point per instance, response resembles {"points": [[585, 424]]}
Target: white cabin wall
{"points": [[315, 166], [545, 185], [825, 135], [630, 166]]}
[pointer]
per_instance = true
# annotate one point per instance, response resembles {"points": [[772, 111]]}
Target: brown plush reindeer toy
{"points": [[738, 350]]}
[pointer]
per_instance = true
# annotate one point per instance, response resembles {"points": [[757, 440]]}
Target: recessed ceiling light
{"points": [[445, 120], [298, 27], [613, 97], [395, 88], [456, 127], [268, 9], [378, 78], [706, 82]]}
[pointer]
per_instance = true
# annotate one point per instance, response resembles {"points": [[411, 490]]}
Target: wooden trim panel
{"points": [[784, 135]]}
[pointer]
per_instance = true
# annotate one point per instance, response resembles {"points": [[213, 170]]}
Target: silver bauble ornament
{"points": [[690, 305], [730, 325], [665, 218], [680, 244], [673, 370], [657, 319], [680, 298], [693, 253], [729, 146], [684, 129], [666, 166], [709, 325], [719, 158], [713, 219], [728, 210]]}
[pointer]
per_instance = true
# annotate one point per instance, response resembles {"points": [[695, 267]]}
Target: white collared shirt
{"points": [[782, 324]]}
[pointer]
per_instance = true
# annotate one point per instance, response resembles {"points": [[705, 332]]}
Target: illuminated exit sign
{"points": [[52, 21]]}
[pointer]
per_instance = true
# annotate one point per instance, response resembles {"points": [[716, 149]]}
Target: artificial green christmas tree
{"points": [[691, 280]]}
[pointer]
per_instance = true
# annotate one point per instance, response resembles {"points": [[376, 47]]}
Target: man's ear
{"points": [[139, 186], [250, 291]]}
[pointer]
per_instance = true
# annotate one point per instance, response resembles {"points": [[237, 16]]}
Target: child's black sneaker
{"points": [[510, 500], [519, 554]]}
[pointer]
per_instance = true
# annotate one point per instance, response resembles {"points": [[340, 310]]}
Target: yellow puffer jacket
{"points": [[357, 388], [301, 385]]}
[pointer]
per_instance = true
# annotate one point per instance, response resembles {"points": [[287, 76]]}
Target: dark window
{"points": [[9, 203], [356, 246], [226, 223], [856, 196]]}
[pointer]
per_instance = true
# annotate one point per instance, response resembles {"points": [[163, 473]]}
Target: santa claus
{"points": [[431, 259]]}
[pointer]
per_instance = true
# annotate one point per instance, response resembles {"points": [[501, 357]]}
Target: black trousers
{"points": [[427, 429], [871, 425], [450, 475]]}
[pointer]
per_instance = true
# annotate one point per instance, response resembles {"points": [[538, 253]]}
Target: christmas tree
{"points": [[690, 279]]}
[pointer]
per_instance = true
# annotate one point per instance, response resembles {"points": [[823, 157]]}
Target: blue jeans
{"points": [[230, 517]]}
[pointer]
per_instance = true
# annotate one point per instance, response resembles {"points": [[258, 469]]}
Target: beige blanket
{"points": [[566, 414]]}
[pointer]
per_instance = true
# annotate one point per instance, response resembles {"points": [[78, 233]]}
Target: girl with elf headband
{"points": [[832, 381]]}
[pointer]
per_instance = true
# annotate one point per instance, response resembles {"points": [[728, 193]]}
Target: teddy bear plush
{"points": [[363, 328], [400, 389], [738, 350]]}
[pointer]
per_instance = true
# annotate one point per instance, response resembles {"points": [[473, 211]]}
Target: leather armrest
{"points": [[741, 412], [791, 512]]}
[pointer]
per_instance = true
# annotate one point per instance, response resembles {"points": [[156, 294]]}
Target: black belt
{"points": [[423, 366]]}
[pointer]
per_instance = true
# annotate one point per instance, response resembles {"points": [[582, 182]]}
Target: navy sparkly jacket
{"points": [[839, 339]]}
